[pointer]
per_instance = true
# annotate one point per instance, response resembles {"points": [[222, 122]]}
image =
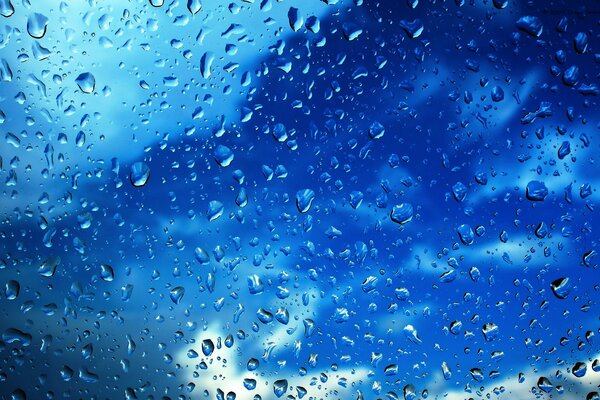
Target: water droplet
{"points": [[376, 130], [140, 172], [544, 384], [255, 285], [36, 25], [561, 288], [6, 74], [564, 150], [206, 62], [351, 31], [402, 213], [215, 210], [579, 369], [411, 334], [446, 371], [466, 234], [295, 19], [252, 364], [536, 191], [12, 289], [176, 294], [459, 191], [304, 200], [194, 6], [476, 374], [86, 82], [497, 94], [280, 387], [13, 335], [500, 4], [18, 394], [313, 24], [410, 392], [202, 256], [369, 284], [280, 133], [264, 316], [107, 274], [208, 347], [309, 327], [223, 155], [531, 25], [6, 8], [48, 267], [412, 28], [581, 42], [490, 331], [87, 351], [593, 396]]}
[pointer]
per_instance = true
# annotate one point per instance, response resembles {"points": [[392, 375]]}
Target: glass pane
{"points": [[299, 199]]}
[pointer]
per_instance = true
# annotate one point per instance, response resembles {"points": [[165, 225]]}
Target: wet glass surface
{"points": [[335, 199]]}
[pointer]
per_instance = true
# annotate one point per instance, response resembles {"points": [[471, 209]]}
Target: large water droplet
{"points": [[376, 130], [280, 386], [255, 285], [201, 256], [579, 369], [206, 62], [215, 210], [490, 331], [176, 294], [36, 25], [536, 191], [207, 347], [12, 289], [48, 267], [544, 384], [412, 28], [140, 172], [530, 24], [223, 155], [411, 334], [561, 288], [351, 31], [295, 19], [194, 6], [466, 234], [402, 213], [6, 8], [86, 82], [107, 274], [304, 200]]}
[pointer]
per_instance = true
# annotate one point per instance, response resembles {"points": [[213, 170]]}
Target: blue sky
{"points": [[352, 303]]}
